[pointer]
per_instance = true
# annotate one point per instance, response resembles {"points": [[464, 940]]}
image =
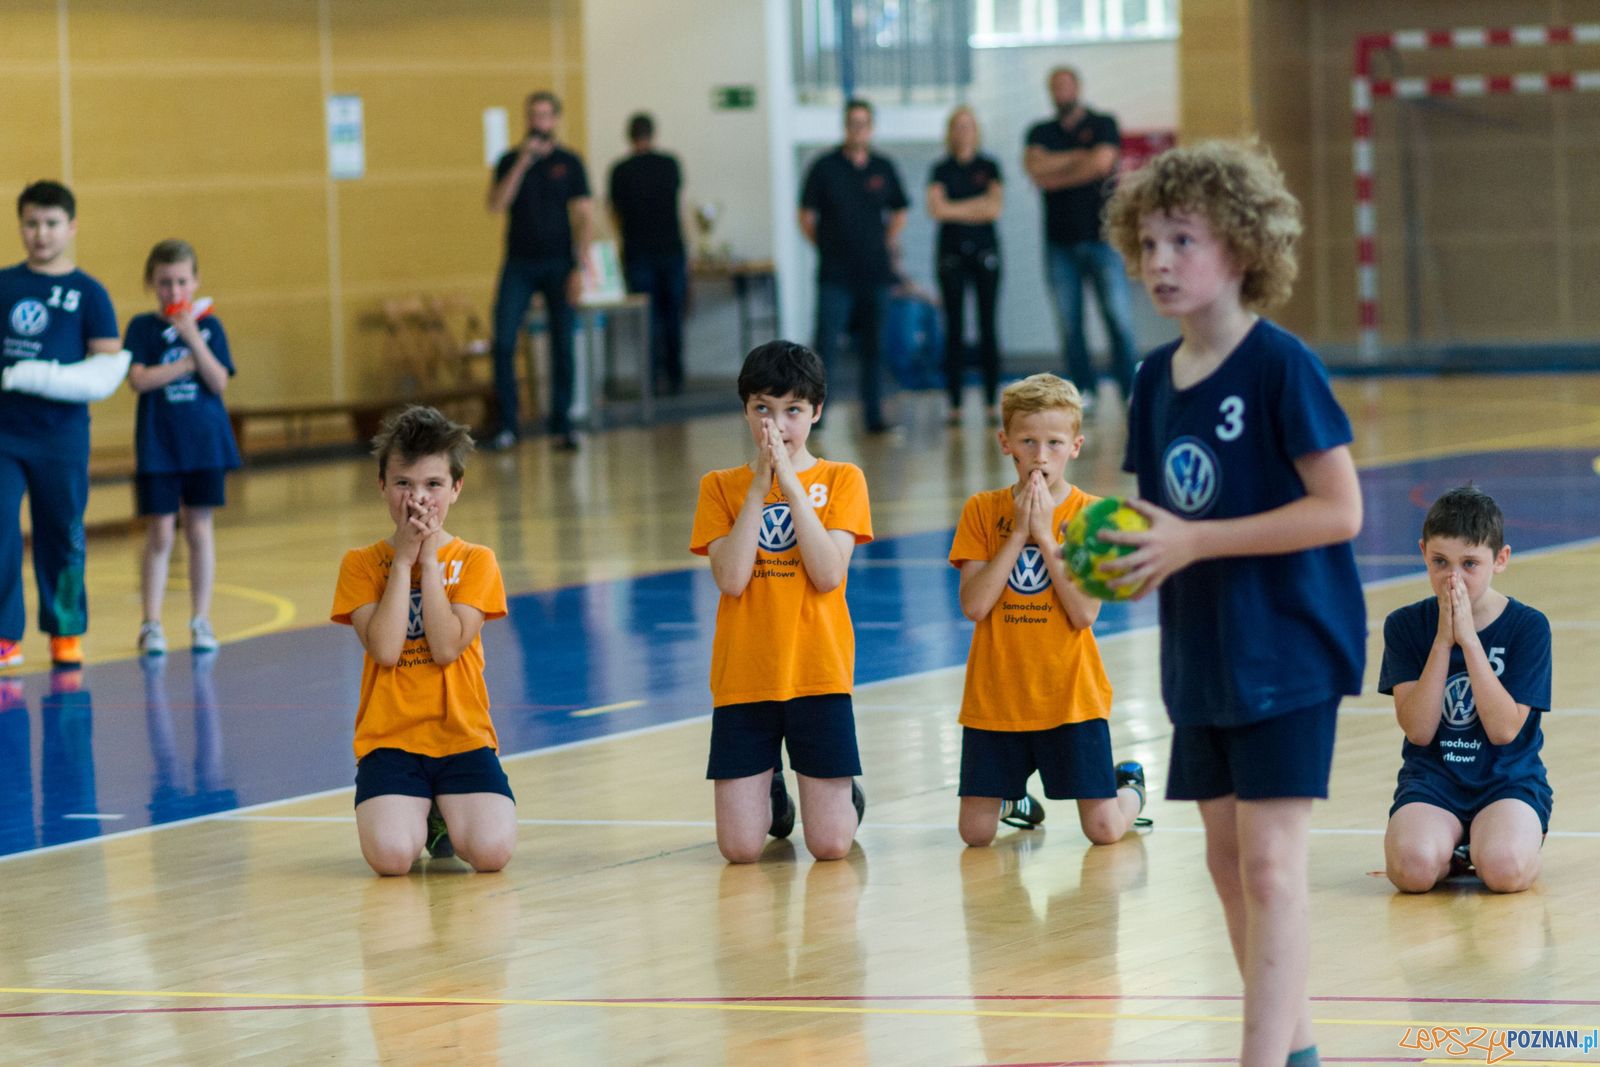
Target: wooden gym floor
{"points": [[243, 927]]}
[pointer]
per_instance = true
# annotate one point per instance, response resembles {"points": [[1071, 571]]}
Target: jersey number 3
{"points": [[1232, 424]]}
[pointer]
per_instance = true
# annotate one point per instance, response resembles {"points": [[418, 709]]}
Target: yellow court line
{"points": [[282, 607], [603, 709], [729, 1006]]}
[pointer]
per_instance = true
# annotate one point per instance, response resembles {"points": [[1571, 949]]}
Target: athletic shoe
{"points": [[502, 441], [10, 654], [152, 642], [201, 639], [782, 808], [439, 846], [859, 799], [1130, 775], [1461, 862], [1024, 813], [66, 652]]}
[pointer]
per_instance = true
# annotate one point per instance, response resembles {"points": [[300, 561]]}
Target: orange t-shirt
{"points": [[781, 638], [418, 705], [1028, 668]]}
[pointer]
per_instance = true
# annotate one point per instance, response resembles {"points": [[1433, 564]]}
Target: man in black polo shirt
{"points": [[644, 201], [853, 208], [1072, 158], [544, 189]]}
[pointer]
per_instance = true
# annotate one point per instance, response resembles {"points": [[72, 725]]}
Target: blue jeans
{"points": [[519, 280], [858, 311], [1068, 267], [665, 277]]}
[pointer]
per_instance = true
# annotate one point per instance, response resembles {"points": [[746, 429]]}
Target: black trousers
{"points": [[980, 269]]}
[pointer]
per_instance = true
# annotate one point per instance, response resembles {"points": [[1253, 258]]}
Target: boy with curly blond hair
{"points": [[1244, 469]]}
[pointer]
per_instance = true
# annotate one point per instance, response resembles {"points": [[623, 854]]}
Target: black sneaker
{"points": [[782, 808], [439, 846], [1130, 775], [859, 799], [1461, 861], [1024, 813]]}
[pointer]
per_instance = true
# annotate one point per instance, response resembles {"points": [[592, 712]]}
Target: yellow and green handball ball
{"points": [[1095, 563]]}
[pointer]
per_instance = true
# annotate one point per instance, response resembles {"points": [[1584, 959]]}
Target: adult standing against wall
{"points": [[853, 207], [1072, 158], [965, 198], [643, 191], [543, 188]]}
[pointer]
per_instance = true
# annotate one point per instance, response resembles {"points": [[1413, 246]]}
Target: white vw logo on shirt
{"points": [[29, 318], [777, 528], [1029, 574]]}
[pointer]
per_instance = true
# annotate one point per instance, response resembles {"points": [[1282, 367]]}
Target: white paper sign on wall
{"points": [[347, 138]]}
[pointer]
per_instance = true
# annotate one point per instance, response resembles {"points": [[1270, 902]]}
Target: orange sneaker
{"points": [[66, 652], [10, 654]]}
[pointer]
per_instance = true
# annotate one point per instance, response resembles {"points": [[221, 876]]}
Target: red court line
{"points": [[193, 1009], [1228, 1059], [1232, 997]]}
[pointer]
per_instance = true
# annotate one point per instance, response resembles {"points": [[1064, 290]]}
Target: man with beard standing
{"points": [[544, 190], [1072, 158]]}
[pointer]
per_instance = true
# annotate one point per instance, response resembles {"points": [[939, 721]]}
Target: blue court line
{"points": [[270, 718]]}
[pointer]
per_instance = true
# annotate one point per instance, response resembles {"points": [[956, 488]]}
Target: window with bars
{"points": [[1004, 23], [918, 49]]}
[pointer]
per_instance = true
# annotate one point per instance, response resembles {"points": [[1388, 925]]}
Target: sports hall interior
{"points": [[181, 879]]}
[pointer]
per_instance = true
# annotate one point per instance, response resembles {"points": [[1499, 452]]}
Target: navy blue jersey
{"points": [[1250, 637], [51, 317], [1518, 647], [181, 426]]}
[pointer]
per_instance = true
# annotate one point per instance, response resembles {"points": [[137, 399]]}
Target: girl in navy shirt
{"points": [[181, 365], [1243, 460]]}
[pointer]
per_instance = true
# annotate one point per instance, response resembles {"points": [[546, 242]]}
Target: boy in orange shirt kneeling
{"points": [[427, 773], [780, 531], [1037, 696]]}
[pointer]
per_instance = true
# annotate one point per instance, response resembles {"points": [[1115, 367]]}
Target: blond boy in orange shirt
{"points": [[1036, 696], [427, 773], [780, 531]]}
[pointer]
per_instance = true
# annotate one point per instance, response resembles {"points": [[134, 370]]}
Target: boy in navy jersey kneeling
{"points": [[1469, 669]]}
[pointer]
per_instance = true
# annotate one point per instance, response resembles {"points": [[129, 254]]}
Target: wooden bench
{"points": [[360, 417]]}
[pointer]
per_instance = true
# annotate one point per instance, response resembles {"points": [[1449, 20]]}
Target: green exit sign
{"points": [[733, 97]]}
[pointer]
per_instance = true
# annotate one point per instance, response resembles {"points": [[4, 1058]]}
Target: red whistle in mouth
{"points": [[200, 308]]}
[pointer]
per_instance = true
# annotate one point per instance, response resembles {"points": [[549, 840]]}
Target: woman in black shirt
{"points": [[965, 198]]}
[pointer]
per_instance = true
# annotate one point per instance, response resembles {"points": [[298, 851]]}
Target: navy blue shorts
{"points": [[1073, 761], [160, 494], [394, 771], [1465, 805], [1288, 755], [820, 731]]}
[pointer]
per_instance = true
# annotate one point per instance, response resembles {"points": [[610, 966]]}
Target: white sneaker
{"points": [[152, 642], [201, 637]]}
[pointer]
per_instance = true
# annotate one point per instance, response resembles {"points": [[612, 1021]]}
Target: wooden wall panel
{"points": [[206, 121], [1507, 191]]}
